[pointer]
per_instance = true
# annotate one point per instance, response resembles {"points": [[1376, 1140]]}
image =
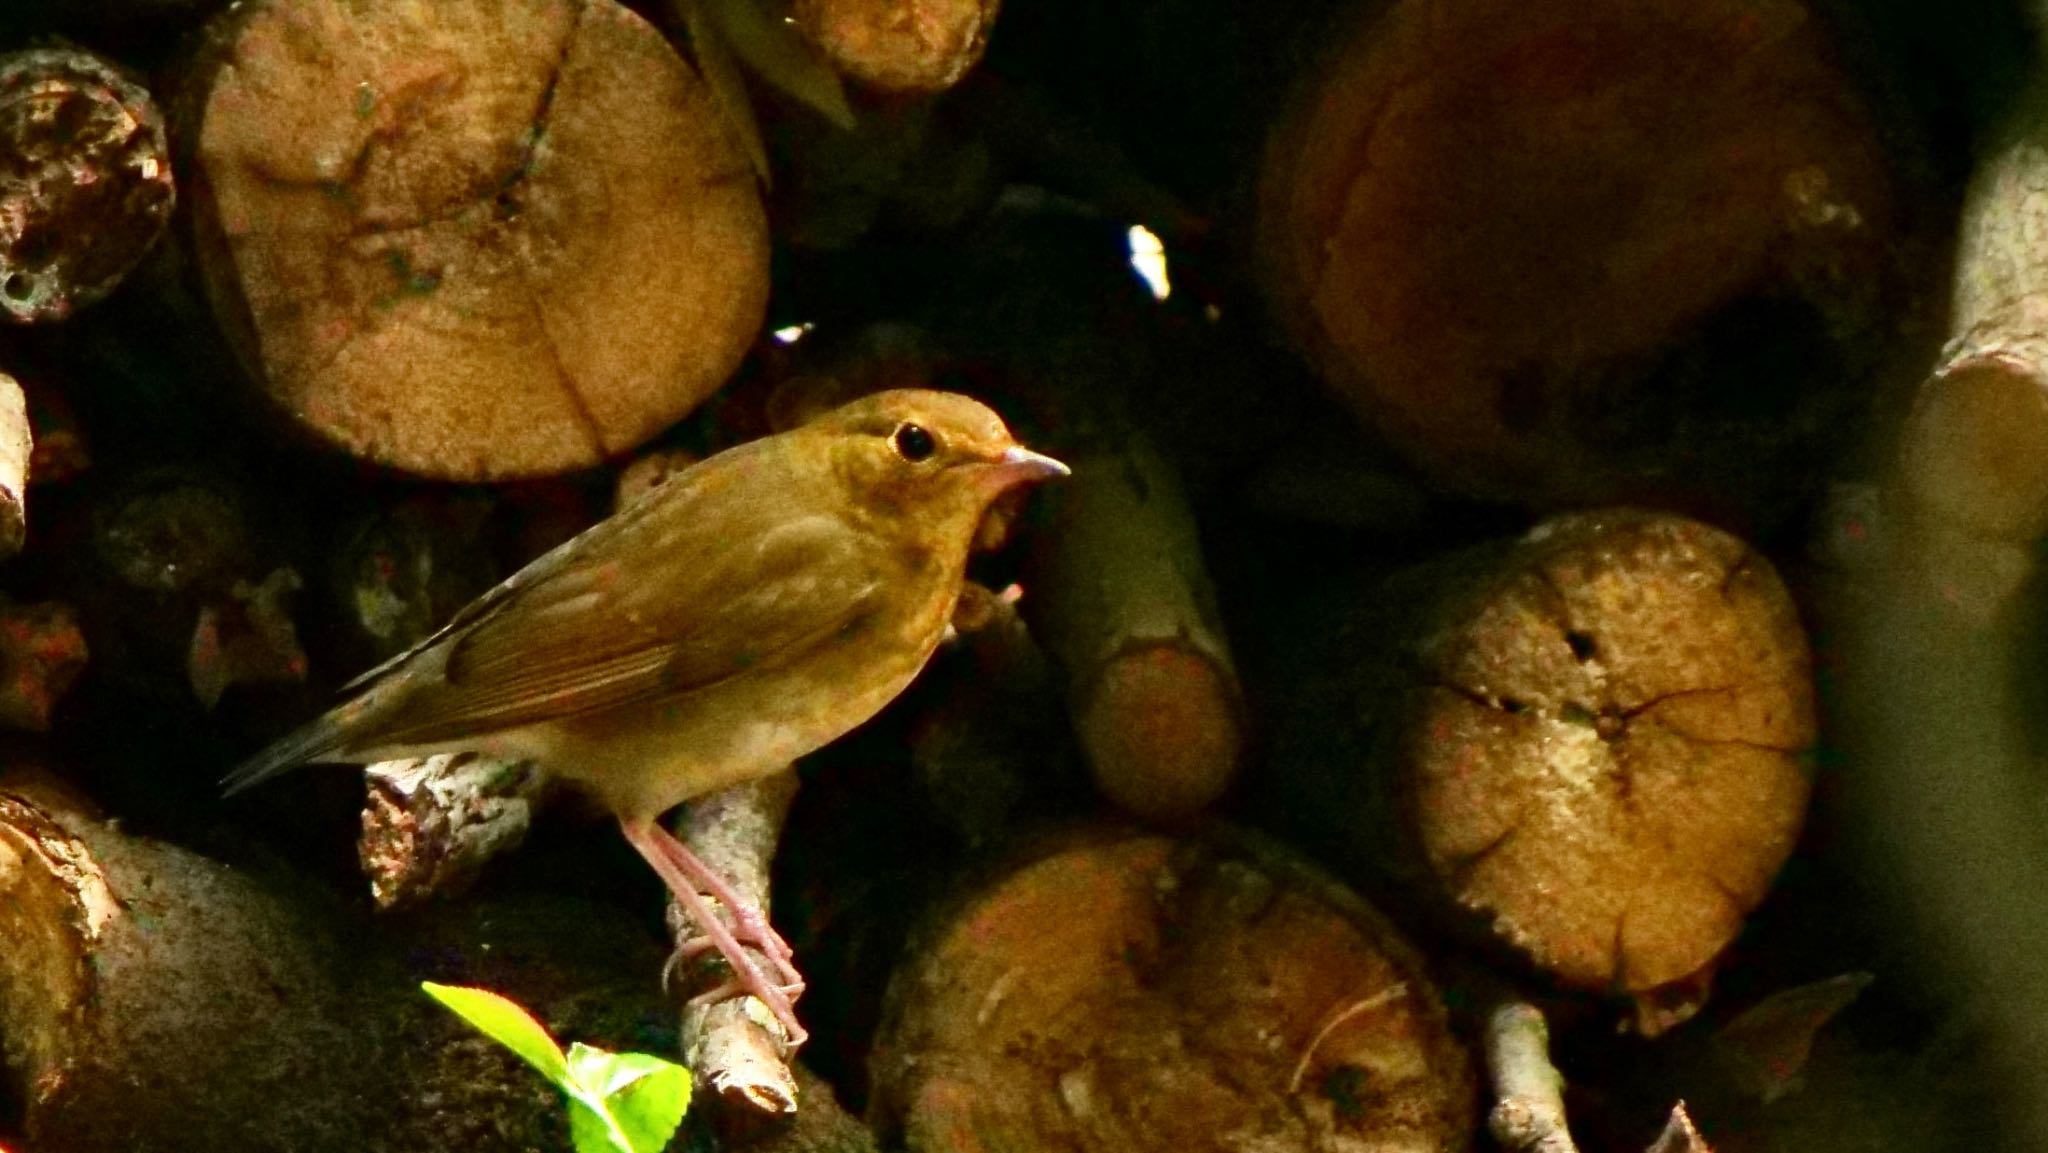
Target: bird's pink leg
{"points": [[685, 875]]}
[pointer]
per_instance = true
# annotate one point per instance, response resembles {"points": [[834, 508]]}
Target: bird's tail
{"points": [[315, 740]]}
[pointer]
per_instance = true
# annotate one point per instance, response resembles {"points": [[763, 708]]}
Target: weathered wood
{"points": [[85, 180], [1974, 452]]}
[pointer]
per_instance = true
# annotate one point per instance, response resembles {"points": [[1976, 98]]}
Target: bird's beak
{"points": [[1019, 465]]}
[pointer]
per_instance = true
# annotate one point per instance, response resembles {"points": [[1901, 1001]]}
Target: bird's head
{"points": [[927, 458]]}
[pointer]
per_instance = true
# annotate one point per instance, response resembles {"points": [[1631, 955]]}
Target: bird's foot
{"points": [[686, 876], [789, 980]]}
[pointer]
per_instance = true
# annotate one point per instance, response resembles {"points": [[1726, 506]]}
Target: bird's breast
{"points": [[643, 759]]}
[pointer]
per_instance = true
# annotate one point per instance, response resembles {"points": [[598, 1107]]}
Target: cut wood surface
{"points": [[1132, 992], [1557, 251], [85, 180], [1589, 744], [430, 824], [908, 47], [1605, 758], [476, 239]]}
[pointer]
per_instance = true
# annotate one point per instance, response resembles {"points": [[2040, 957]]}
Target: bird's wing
{"points": [[581, 636]]}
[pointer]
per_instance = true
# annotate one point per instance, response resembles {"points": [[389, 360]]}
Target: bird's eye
{"points": [[913, 443]]}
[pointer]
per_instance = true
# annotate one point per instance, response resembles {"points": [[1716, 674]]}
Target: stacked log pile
{"points": [[1539, 649]]}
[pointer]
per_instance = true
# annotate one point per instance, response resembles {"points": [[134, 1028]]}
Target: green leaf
{"points": [[644, 1095], [507, 1024], [716, 61], [776, 52], [592, 1130]]}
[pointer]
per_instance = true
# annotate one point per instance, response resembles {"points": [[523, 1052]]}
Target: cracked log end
{"points": [[1131, 992], [1492, 224], [1606, 759], [474, 239], [905, 47]]}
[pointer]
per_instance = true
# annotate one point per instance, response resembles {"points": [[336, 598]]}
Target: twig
{"points": [[429, 825], [733, 1043], [1528, 1111]]}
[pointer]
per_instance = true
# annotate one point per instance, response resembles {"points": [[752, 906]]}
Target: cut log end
{"points": [[1488, 223], [915, 48], [1973, 449], [1134, 993], [85, 181], [414, 234], [1161, 731], [1609, 762]]}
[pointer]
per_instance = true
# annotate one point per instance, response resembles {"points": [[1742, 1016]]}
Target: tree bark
{"points": [[151, 998]]}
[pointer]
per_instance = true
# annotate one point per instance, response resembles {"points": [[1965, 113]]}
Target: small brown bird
{"points": [[747, 611]]}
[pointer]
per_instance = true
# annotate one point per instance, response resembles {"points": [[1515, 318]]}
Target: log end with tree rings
{"points": [[1577, 252], [477, 239], [1606, 758], [1133, 992]]}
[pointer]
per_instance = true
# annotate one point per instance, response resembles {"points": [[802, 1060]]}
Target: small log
{"points": [[247, 637], [1528, 1109], [85, 181], [429, 825], [1974, 452], [1572, 252], [899, 47], [405, 569], [1133, 992], [1589, 744], [474, 240], [151, 998], [1117, 591]]}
